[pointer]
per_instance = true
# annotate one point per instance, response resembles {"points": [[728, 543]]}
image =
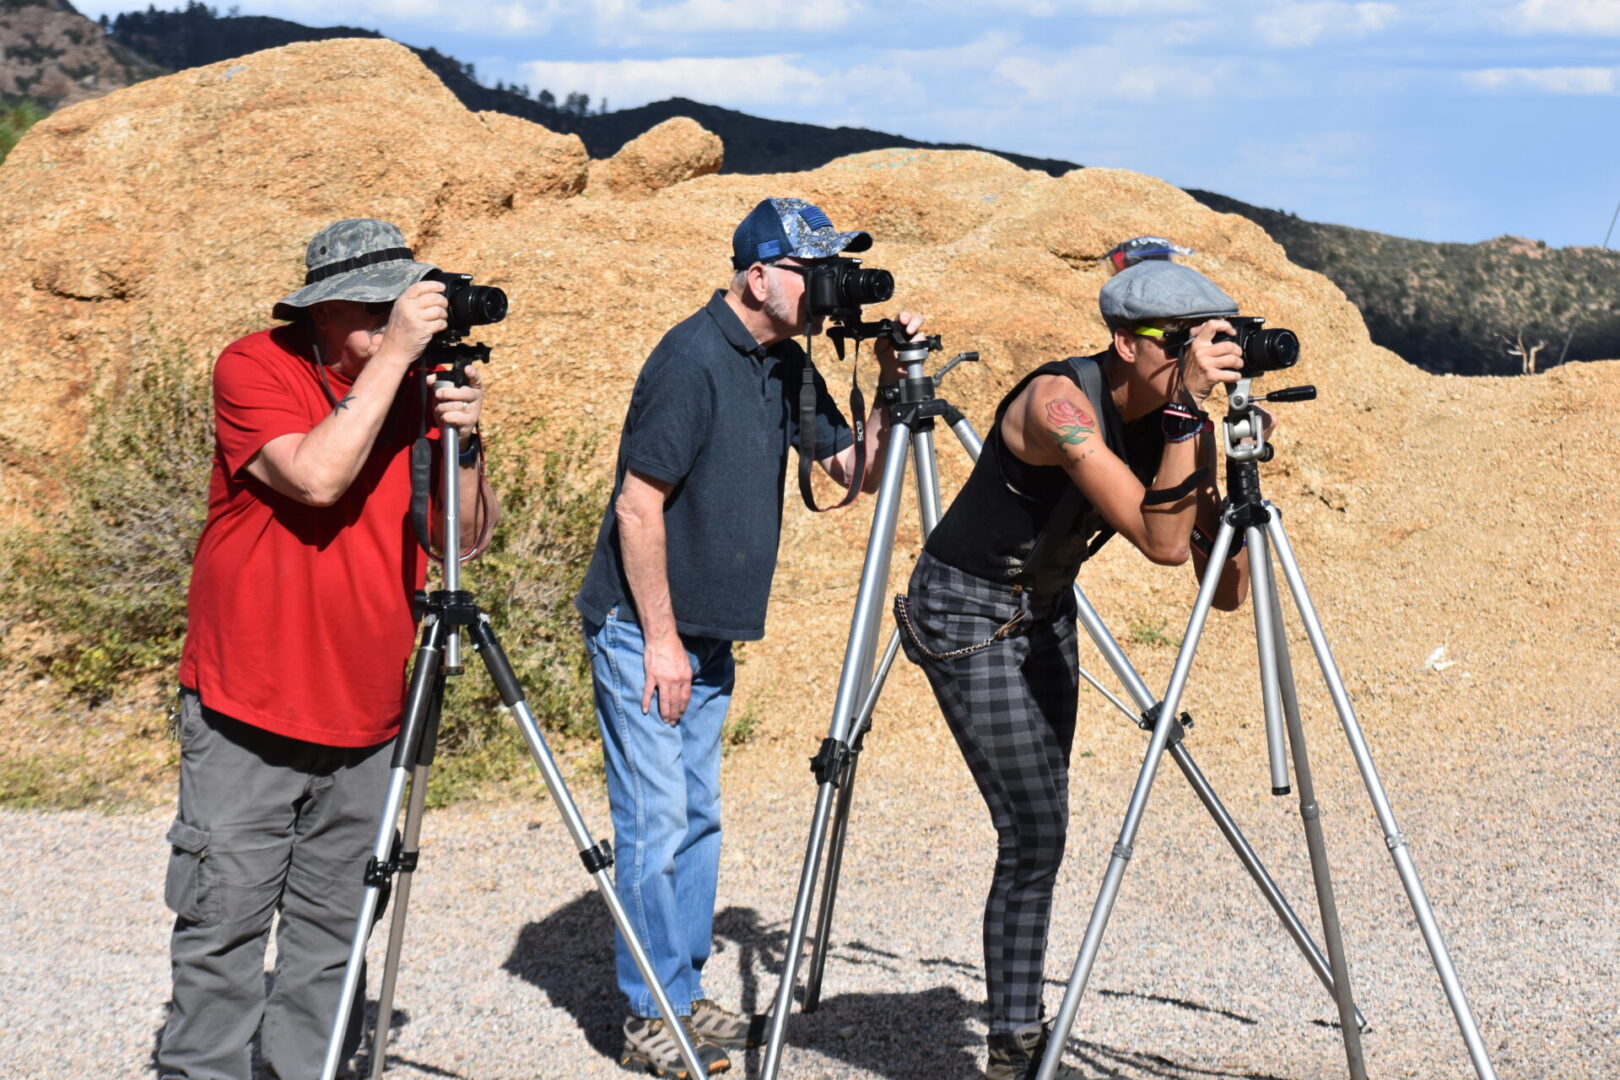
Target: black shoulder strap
{"points": [[807, 437]]}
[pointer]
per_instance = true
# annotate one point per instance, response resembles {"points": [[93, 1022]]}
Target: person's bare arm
{"points": [[639, 510], [318, 466], [1052, 423]]}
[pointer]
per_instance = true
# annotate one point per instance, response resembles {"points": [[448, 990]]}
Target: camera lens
{"points": [[1270, 350], [861, 287], [478, 304]]}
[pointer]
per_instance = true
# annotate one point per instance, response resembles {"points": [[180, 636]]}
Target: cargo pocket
{"points": [[188, 888]]}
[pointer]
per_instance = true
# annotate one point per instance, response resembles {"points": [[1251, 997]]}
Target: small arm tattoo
{"points": [[342, 405], [1069, 423]]}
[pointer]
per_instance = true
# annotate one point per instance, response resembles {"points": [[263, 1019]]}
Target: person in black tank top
{"points": [[1080, 450]]}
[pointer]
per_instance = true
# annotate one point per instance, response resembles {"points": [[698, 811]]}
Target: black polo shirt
{"points": [[713, 413]]}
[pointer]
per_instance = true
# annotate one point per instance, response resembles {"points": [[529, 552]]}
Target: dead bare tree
{"points": [[1517, 346]]}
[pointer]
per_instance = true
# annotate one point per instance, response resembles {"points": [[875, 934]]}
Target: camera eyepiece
{"points": [[470, 305]]}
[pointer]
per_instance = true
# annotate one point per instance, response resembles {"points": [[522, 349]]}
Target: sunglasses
{"points": [[1169, 340], [379, 307]]}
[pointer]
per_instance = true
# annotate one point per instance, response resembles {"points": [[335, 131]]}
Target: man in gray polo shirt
{"points": [[682, 568]]}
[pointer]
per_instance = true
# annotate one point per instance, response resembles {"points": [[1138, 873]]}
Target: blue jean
{"points": [[664, 789]]}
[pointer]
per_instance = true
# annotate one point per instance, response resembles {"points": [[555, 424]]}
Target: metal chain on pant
{"points": [[902, 614]]}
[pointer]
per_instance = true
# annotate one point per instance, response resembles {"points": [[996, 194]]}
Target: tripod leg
{"points": [[596, 857], [1311, 814], [396, 922], [829, 764], [1183, 758], [1265, 640], [421, 702], [840, 828], [1380, 800], [1166, 724], [409, 847]]}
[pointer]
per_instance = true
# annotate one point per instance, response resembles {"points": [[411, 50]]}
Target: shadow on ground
{"points": [[936, 1033]]}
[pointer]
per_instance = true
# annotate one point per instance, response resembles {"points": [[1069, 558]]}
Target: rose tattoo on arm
{"points": [[1069, 423]]}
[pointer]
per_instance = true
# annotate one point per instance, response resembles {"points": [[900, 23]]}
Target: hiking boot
{"points": [[1016, 1055], [649, 1047], [722, 1026]]}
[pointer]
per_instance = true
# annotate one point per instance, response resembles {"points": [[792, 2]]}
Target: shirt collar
{"points": [[731, 327]]}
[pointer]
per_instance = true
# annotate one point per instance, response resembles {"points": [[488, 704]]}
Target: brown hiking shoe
{"points": [[649, 1047], [726, 1028], [1016, 1055]]}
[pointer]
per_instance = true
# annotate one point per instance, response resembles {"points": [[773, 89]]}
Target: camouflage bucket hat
{"points": [[358, 259], [783, 228]]}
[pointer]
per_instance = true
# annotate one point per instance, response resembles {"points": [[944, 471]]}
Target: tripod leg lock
{"points": [[1395, 841], [831, 763], [598, 858], [1150, 720]]}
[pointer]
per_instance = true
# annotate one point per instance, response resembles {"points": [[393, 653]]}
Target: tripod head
{"points": [[1243, 431], [910, 351]]}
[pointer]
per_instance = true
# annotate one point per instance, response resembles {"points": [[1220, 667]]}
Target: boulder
{"points": [[172, 214], [670, 153]]}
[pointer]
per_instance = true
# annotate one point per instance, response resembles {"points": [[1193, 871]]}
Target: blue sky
{"points": [[1439, 120]]}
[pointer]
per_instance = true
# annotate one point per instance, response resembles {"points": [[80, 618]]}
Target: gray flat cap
{"points": [[1155, 289], [360, 259]]}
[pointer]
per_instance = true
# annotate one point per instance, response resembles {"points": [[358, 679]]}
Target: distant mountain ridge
{"points": [[1459, 308]]}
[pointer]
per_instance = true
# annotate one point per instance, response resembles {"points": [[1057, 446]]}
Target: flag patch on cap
{"points": [[813, 217]]}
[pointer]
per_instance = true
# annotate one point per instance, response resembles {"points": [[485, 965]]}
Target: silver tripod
{"points": [[913, 409], [1261, 525], [449, 612]]}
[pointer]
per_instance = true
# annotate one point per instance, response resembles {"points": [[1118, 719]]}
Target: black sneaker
{"points": [[649, 1047], [1016, 1055], [720, 1025]]}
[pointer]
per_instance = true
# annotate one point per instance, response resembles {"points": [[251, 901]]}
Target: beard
{"points": [[777, 306]]}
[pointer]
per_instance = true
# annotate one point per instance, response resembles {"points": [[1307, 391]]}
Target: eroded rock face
{"points": [[677, 150], [173, 213]]}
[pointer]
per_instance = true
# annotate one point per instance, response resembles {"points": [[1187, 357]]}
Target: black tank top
{"points": [[992, 526]]}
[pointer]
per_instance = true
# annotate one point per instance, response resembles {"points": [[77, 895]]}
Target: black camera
{"points": [[839, 288], [470, 305], [1263, 350]]}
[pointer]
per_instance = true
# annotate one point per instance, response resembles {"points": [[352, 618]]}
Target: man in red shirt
{"points": [[300, 626]]}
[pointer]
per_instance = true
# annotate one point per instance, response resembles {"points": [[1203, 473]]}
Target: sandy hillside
{"points": [[1477, 515]]}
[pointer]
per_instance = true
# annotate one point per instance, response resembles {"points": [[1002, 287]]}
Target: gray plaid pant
{"points": [[1011, 707], [265, 824]]}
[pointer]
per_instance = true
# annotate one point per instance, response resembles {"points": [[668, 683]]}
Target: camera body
{"points": [[470, 305], [1263, 349], [837, 290]]}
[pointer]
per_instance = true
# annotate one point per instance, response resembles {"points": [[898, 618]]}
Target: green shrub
{"points": [[107, 574], [103, 579], [15, 120]]}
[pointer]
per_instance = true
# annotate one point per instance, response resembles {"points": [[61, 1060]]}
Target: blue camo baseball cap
{"points": [[784, 228]]}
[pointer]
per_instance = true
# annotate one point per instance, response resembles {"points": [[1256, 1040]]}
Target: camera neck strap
{"points": [[808, 401]]}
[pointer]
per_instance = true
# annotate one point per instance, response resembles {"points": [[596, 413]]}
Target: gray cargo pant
{"points": [[265, 824]]}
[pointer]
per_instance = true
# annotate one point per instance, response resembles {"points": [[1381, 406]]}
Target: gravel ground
{"points": [[508, 973]]}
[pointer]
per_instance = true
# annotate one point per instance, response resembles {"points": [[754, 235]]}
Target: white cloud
{"points": [[634, 21], [1566, 16], [738, 82], [1555, 80], [1293, 26]]}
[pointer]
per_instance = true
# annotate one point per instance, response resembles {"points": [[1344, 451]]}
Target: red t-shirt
{"points": [[299, 617]]}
